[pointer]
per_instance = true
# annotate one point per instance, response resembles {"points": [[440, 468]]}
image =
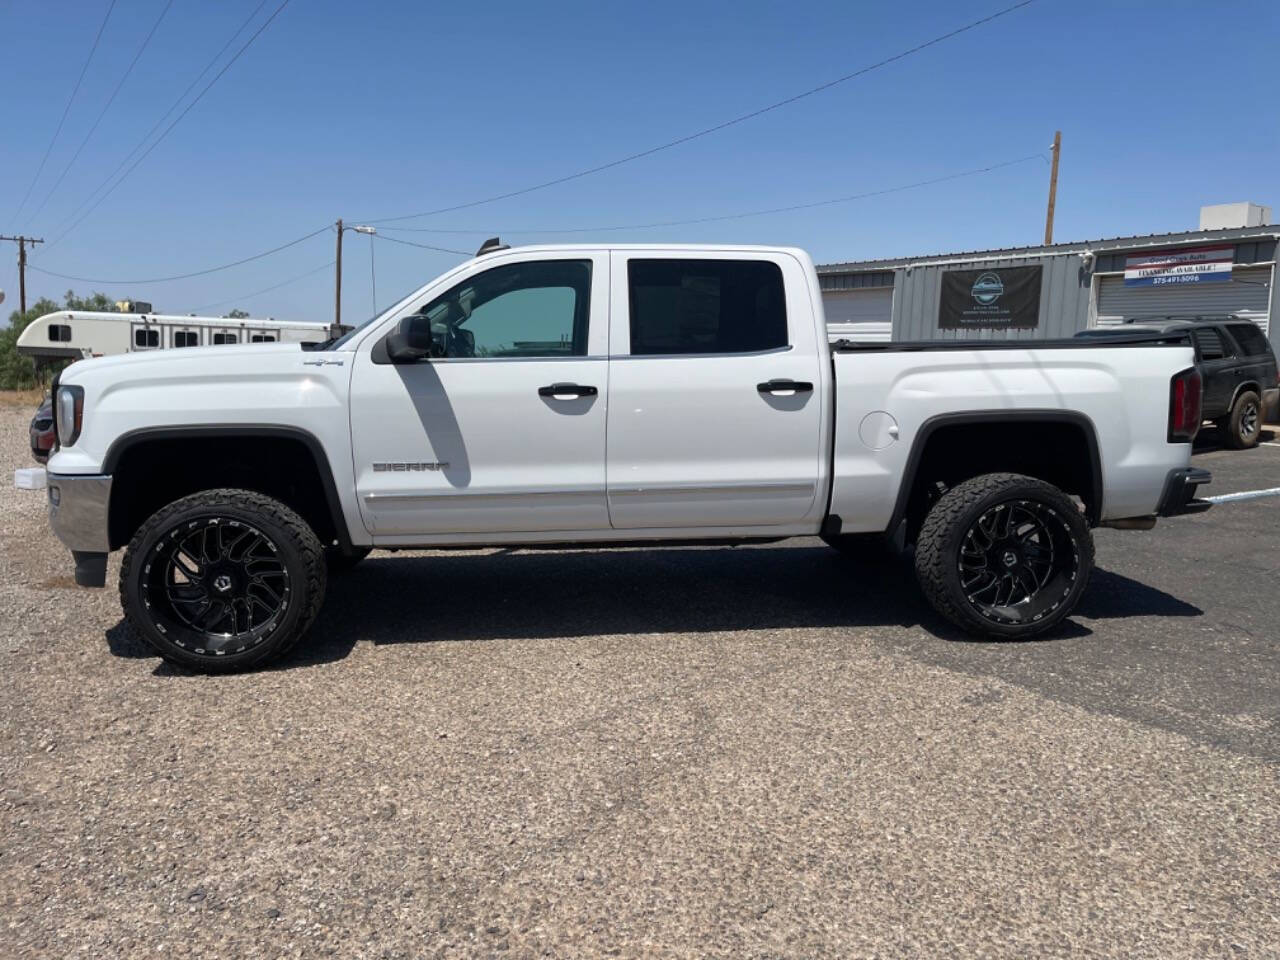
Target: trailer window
{"points": [[706, 306], [59, 333], [145, 339], [186, 338], [221, 338], [262, 338]]}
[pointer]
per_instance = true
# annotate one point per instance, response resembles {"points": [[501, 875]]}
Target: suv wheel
{"points": [[222, 580], [1004, 556], [1244, 423]]}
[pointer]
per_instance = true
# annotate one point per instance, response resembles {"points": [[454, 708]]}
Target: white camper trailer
{"points": [[76, 334]]}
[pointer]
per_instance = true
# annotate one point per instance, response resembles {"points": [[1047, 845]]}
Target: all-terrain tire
{"points": [[160, 554], [1244, 424], [950, 528]]}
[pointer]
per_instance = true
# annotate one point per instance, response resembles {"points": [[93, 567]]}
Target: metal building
{"points": [[1042, 292]]}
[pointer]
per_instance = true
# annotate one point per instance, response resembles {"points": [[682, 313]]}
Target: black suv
{"points": [[1236, 363]]}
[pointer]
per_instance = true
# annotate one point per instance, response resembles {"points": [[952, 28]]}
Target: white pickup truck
{"points": [[608, 395]]}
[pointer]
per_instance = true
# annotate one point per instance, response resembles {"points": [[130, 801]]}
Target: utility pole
{"points": [[1053, 188], [337, 287], [22, 266]]}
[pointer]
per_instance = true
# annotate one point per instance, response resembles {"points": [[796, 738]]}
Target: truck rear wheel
{"points": [[222, 580], [1004, 556]]}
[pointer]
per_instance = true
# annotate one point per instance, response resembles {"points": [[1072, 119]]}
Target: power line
{"points": [[165, 116], [178, 119], [196, 273], [105, 107], [249, 296], [719, 126], [65, 110], [424, 246], [731, 216]]}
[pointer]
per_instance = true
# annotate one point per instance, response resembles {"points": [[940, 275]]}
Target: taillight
{"points": [[1184, 406]]}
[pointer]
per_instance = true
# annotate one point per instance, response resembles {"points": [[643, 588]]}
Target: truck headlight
{"points": [[68, 414]]}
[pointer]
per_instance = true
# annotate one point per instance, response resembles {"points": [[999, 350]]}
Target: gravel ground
{"points": [[741, 753]]}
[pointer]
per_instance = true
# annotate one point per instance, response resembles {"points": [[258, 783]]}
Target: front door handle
{"points": [[785, 386], [567, 391]]}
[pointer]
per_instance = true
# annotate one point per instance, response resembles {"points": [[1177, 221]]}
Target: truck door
{"points": [[715, 392], [1217, 365], [504, 431]]}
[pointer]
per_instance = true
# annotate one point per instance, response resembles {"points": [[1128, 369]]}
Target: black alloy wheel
{"points": [[217, 585], [1004, 555], [1018, 562], [222, 580]]}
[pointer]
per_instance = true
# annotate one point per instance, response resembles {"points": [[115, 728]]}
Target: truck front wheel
{"points": [[1004, 556], [222, 580]]}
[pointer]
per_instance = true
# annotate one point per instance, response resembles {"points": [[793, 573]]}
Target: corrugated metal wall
{"points": [[1064, 300], [1247, 293]]}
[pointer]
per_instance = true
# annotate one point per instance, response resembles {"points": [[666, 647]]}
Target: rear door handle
{"points": [[785, 386], [566, 391]]}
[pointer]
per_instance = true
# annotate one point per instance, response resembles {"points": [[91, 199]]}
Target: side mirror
{"points": [[411, 340]]}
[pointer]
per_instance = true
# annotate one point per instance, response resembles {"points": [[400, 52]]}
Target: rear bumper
{"points": [[1180, 492], [1271, 405], [78, 508]]}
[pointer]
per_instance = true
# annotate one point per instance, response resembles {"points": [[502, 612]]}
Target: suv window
{"points": [[535, 309], [59, 333], [1209, 343], [1251, 339], [706, 306]]}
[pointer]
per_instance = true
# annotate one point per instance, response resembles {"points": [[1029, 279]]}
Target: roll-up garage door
{"points": [[863, 314], [1246, 293]]}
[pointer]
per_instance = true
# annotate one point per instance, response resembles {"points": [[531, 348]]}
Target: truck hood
{"points": [[187, 361]]}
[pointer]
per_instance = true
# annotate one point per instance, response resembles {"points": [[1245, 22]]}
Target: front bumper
{"points": [[78, 506], [1180, 492]]}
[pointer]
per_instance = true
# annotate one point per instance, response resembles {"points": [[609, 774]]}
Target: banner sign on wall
{"points": [[1005, 297], [1198, 265]]}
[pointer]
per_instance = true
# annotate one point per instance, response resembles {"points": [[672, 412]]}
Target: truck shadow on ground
{"points": [[1210, 439], [537, 595]]}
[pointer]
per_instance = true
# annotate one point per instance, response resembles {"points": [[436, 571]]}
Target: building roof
{"points": [[1138, 241]]}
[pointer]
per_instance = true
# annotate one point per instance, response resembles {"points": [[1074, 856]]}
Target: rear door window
{"points": [[706, 306], [1209, 343], [1252, 341]]}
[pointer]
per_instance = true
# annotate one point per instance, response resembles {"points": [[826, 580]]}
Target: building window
{"points": [[706, 306], [221, 338], [59, 333], [146, 339], [186, 338]]}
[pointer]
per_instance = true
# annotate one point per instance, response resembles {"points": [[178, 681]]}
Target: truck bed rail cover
{"points": [[1154, 339]]}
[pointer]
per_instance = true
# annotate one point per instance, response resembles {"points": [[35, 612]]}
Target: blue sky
{"points": [[371, 110]]}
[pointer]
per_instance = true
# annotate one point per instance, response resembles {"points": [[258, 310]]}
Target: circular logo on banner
{"points": [[987, 289]]}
